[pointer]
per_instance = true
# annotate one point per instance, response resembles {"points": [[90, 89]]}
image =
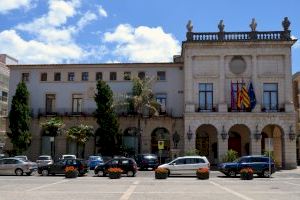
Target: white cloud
{"points": [[37, 52], [102, 12], [9, 5], [143, 44], [86, 19]]}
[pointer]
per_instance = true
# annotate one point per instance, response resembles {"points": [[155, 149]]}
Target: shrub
{"points": [[202, 173], [230, 156], [161, 173], [194, 152]]}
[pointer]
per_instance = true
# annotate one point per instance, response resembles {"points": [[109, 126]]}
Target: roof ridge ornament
{"points": [[253, 25]]}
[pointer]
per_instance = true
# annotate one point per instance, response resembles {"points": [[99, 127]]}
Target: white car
{"points": [[186, 165], [68, 156], [44, 160]]}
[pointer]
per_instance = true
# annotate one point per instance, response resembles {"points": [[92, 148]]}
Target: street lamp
{"points": [[292, 135], [224, 134], [257, 134], [189, 134]]}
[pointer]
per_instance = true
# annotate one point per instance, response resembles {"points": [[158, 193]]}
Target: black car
{"points": [[145, 161], [58, 167], [259, 164], [128, 165]]}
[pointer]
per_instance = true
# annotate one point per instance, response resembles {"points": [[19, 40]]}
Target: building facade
{"points": [[198, 93], [296, 93], [4, 82]]}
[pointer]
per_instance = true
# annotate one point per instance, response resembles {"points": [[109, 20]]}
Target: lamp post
{"points": [[189, 134], [292, 135], [224, 134], [257, 134]]}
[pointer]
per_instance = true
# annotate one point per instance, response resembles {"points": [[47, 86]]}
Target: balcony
{"points": [[272, 108], [68, 112], [206, 108]]}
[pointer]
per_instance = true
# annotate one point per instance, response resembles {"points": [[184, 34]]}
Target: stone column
{"points": [[222, 106], [289, 152], [222, 146], [255, 145], [188, 84], [255, 84], [288, 92]]}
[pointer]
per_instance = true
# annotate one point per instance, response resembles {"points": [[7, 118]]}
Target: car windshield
{"points": [[95, 158], [69, 157], [21, 157], [44, 158]]}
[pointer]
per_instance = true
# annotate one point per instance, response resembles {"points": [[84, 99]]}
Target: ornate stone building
{"points": [[198, 93]]}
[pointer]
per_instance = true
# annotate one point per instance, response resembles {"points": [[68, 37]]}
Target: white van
{"points": [[68, 156], [186, 165]]}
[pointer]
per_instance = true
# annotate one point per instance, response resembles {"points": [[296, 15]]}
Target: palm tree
{"points": [[80, 134], [52, 128], [143, 102]]}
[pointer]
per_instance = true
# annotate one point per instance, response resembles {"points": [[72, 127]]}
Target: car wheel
{"points": [[232, 173], [266, 173], [19, 172], [130, 173], [45, 172]]}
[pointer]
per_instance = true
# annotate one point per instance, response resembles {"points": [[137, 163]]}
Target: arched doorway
{"points": [[275, 133], [239, 139], [130, 141], [161, 134], [206, 142]]}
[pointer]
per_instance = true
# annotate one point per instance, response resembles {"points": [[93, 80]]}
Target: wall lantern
{"points": [[224, 134], [257, 134], [189, 134], [292, 135]]}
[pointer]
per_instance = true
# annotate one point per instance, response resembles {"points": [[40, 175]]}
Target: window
{"points": [[127, 76], [162, 100], [161, 75], [43, 76], [85, 76], [57, 76], [98, 76], [142, 75], [50, 103], [270, 97], [180, 161], [25, 77], [4, 96], [71, 76], [113, 76], [205, 96], [76, 103]]}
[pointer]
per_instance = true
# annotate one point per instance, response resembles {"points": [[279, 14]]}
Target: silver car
{"points": [[44, 160], [186, 165], [10, 166]]}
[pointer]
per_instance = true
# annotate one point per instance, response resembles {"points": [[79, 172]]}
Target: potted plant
{"points": [[114, 172], [246, 173], [202, 173], [161, 173], [71, 172]]}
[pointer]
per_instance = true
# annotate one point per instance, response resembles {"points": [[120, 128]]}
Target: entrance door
{"points": [[234, 142]]}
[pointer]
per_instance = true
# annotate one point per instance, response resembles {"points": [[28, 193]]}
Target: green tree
{"points": [[106, 119], [143, 101], [52, 128], [19, 120], [80, 134]]}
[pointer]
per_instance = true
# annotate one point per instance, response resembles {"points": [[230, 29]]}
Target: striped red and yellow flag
{"points": [[246, 98]]}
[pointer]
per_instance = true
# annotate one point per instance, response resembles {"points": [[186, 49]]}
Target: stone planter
{"points": [[114, 175], [161, 175]]}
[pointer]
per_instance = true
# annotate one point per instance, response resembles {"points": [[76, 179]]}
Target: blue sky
{"points": [[100, 31]]}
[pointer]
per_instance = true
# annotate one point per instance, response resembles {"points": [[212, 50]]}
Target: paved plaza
{"points": [[282, 185]]}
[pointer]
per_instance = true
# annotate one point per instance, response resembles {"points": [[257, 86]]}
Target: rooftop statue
{"points": [[286, 24], [221, 26], [189, 26], [253, 25]]}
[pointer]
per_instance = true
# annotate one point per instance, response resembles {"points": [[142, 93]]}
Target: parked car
{"points": [[2, 156], [145, 161], [93, 161], [128, 165], [68, 156], [44, 160], [22, 157], [259, 164], [59, 167], [17, 166], [186, 165]]}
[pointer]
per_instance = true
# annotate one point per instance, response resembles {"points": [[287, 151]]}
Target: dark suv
{"points": [[145, 161], [128, 165], [259, 165], [58, 167]]}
